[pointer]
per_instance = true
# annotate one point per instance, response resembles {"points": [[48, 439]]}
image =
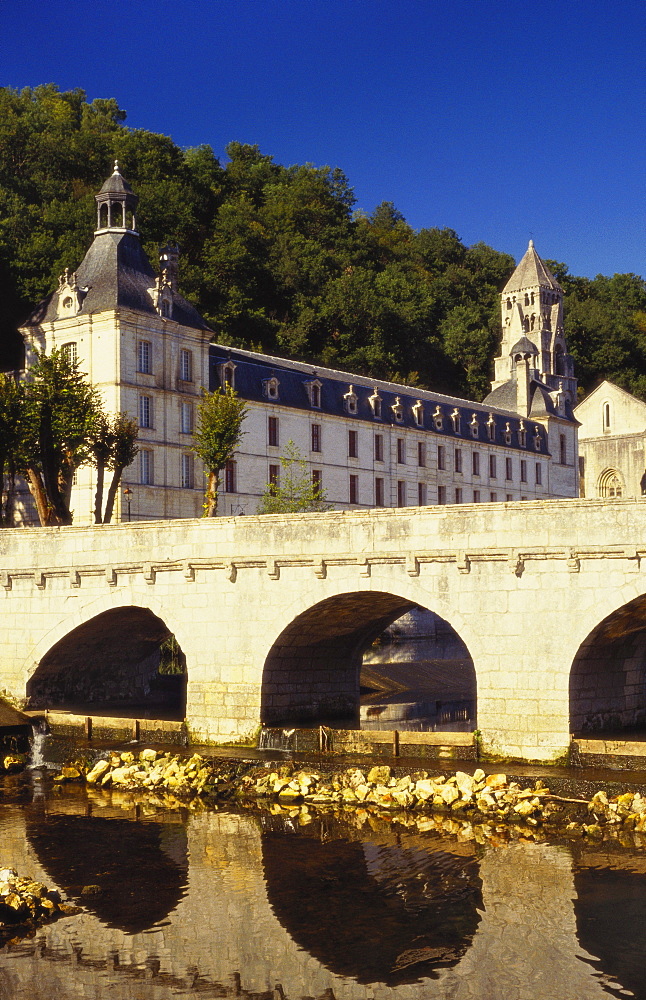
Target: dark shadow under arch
{"points": [[312, 671], [608, 675], [113, 663]]}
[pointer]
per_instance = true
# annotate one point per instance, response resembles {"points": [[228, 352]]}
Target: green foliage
{"points": [[275, 259], [219, 430], [114, 447], [171, 659], [295, 493]]}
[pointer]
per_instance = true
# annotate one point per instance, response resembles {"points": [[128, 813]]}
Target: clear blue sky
{"points": [[499, 118]]}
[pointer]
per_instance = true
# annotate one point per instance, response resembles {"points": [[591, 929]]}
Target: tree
{"points": [[296, 492], [61, 411], [11, 418], [114, 447], [219, 430]]}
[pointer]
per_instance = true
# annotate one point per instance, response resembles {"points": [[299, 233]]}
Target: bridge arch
{"points": [[108, 657], [312, 670], [608, 674]]}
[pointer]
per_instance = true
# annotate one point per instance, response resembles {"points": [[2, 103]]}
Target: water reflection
{"points": [[138, 871], [372, 911], [283, 907]]}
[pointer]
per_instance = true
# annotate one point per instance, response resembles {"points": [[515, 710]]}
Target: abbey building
{"points": [[369, 443]]}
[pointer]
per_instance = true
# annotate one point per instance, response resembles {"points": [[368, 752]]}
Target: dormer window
{"points": [[313, 390], [270, 387], [491, 427], [165, 304], [474, 426], [350, 401], [70, 294], [438, 419], [375, 404], [418, 413], [537, 439], [228, 375], [398, 410], [522, 434], [507, 433], [455, 420]]}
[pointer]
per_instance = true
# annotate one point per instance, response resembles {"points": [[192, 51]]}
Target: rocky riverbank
{"points": [[477, 798], [26, 904]]}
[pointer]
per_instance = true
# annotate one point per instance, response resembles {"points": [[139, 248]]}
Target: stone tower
{"points": [[532, 328]]}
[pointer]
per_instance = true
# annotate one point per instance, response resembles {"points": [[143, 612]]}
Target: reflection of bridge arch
{"points": [[608, 675], [141, 868], [108, 658], [373, 911], [313, 666]]}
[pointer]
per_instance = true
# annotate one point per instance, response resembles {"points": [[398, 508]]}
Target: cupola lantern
{"points": [[116, 204]]}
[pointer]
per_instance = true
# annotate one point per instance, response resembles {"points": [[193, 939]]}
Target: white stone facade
{"points": [[612, 443]]}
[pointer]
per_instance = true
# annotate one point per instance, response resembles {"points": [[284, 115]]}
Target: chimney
{"points": [[169, 264], [522, 384]]}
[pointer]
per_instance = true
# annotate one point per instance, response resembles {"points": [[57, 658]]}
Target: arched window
{"points": [[610, 484], [103, 217], [605, 416]]}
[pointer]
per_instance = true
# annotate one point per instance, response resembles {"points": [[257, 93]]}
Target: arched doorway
{"points": [[608, 675], [124, 660], [610, 484], [314, 669]]}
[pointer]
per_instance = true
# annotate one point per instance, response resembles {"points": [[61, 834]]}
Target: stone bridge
{"points": [[272, 613]]}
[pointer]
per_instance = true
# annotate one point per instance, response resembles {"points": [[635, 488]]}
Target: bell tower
{"points": [[532, 312], [116, 205]]}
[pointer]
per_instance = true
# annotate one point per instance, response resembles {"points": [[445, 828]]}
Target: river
{"points": [[286, 904]]}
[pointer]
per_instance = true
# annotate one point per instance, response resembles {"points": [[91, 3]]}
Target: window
{"points": [[398, 410], [562, 449], [421, 494], [455, 420], [350, 401], [354, 489], [537, 440], [230, 477], [492, 466], [379, 492], [509, 470], [227, 373], [441, 461], [270, 388], [458, 494], [401, 493], [316, 437], [539, 474], [145, 411], [186, 365], [475, 463], [605, 418], [375, 403], [69, 353], [458, 459], [272, 432], [274, 475], [441, 494], [491, 427], [507, 432], [493, 497], [438, 420], [317, 481], [146, 467], [401, 451], [418, 413], [610, 484], [145, 357], [523, 470], [509, 497], [379, 447], [421, 453], [474, 426], [314, 393], [476, 496], [187, 472], [186, 418], [352, 444], [522, 435]]}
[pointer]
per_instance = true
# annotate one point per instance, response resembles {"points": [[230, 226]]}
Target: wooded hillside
{"points": [[275, 257]]}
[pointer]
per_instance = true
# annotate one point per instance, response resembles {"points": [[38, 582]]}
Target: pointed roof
{"points": [[116, 183], [531, 272]]}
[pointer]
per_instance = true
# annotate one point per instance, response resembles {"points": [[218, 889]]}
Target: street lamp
{"points": [[128, 495]]}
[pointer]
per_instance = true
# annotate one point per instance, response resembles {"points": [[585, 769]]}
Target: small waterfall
{"points": [[277, 739], [40, 733]]}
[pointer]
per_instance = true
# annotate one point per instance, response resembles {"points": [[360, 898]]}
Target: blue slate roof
{"points": [[252, 371]]}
